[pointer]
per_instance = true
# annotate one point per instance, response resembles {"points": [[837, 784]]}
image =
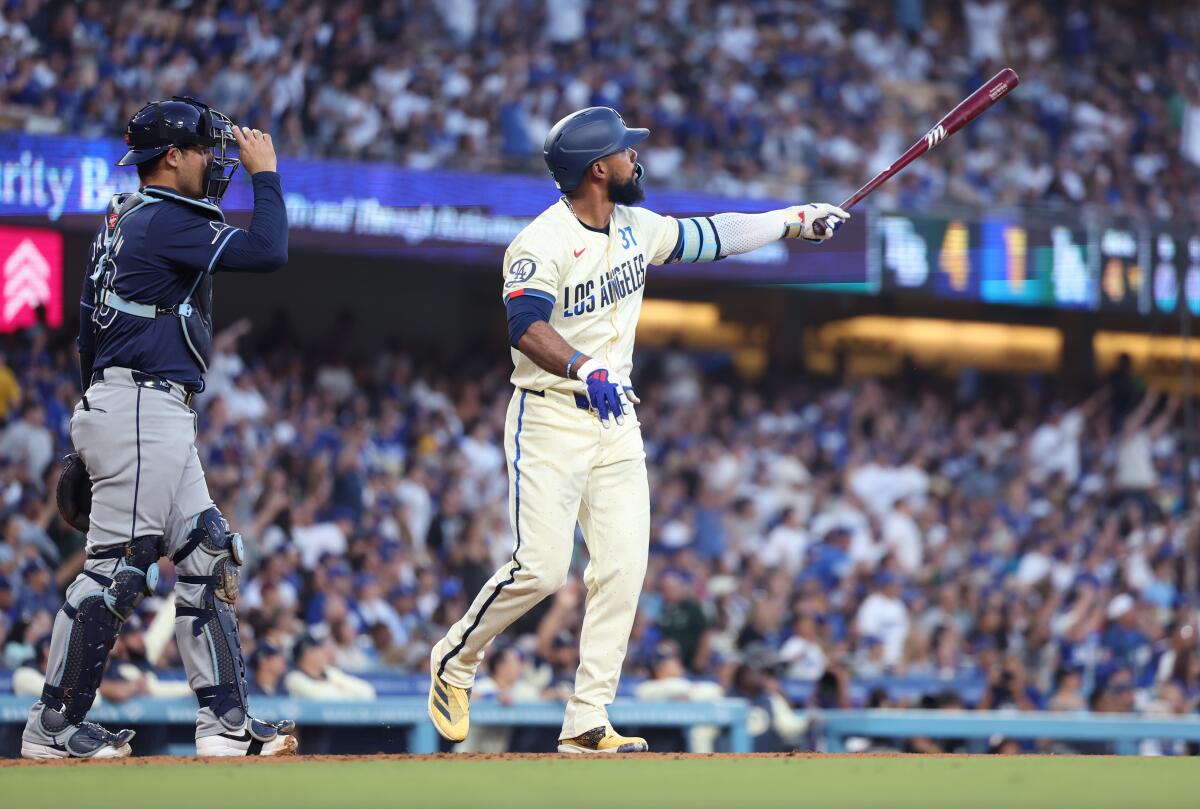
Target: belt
{"points": [[153, 382], [581, 401]]}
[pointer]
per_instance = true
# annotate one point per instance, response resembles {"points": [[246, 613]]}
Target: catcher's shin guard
{"points": [[91, 631], [206, 626], [91, 626]]}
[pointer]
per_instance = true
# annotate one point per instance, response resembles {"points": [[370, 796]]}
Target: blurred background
{"points": [[945, 462]]}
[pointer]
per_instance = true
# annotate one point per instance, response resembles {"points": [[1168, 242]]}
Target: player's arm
{"points": [[710, 238], [86, 342], [264, 246]]}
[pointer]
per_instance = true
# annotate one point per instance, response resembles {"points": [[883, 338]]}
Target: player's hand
{"points": [[603, 392], [255, 150], [814, 222]]}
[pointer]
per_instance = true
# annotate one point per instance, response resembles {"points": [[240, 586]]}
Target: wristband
{"points": [[571, 362], [587, 369]]}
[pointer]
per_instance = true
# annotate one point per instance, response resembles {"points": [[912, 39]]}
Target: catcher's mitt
{"points": [[74, 493]]}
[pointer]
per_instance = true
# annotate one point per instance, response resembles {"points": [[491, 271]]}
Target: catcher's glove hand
{"points": [[74, 493]]}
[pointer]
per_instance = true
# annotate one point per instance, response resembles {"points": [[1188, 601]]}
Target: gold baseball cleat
{"points": [[449, 708], [603, 740]]}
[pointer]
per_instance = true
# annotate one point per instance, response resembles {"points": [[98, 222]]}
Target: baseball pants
{"points": [[565, 468], [138, 444]]}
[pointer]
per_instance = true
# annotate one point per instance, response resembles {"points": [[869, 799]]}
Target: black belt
{"points": [[145, 380], [581, 401]]}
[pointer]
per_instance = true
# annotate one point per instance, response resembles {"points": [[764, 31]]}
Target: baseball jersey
{"points": [[163, 253], [595, 279]]}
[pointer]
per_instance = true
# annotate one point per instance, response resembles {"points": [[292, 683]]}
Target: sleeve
{"points": [[531, 282], [528, 271], [523, 312], [194, 243], [663, 235], [264, 247]]}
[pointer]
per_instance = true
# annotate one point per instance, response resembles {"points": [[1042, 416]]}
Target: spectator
{"points": [[315, 676], [29, 678], [29, 443], [681, 619], [267, 667], [783, 730], [130, 674], [668, 681], [505, 683], [884, 617], [1068, 696], [461, 92]]}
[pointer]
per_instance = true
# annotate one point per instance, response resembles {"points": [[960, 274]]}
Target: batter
{"points": [[573, 284]]}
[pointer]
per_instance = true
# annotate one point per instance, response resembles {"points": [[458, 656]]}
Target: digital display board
{"points": [[443, 216], [391, 210], [993, 260], [31, 264]]}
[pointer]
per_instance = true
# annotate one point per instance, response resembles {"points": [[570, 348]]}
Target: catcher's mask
{"points": [[183, 121]]}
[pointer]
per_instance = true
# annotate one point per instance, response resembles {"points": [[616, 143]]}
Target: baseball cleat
{"points": [[257, 738], [88, 740], [603, 740], [449, 708]]}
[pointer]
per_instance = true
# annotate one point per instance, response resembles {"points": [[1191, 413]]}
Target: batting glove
{"points": [[604, 391], [814, 222]]}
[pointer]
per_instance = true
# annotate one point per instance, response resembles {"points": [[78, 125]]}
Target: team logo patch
{"points": [[112, 220], [218, 229], [520, 272]]}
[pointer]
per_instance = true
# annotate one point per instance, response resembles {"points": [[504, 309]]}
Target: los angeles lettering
{"points": [[612, 286]]}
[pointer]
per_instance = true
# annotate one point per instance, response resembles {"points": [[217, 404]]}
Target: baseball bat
{"points": [[967, 111]]}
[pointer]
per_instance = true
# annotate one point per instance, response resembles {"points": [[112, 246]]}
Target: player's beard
{"points": [[629, 192]]}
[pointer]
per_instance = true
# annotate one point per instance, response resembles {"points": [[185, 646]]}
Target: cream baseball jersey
{"points": [[595, 279]]}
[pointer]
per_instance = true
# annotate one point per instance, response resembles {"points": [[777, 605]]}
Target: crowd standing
{"points": [[805, 529], [770, 97]]}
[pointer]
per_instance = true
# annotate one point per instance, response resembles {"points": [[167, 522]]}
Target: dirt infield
{"points": [[467, 757]]}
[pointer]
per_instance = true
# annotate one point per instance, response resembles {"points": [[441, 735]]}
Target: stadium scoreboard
{"points": [[1150, 270]]}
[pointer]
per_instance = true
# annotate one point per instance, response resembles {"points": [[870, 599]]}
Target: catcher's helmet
{"points": [[183, 121], [582, 138]]}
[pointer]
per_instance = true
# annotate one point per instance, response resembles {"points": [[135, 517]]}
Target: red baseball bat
{"points": [[967, 111]]}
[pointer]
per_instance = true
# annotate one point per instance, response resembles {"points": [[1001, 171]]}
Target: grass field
{"points": [[662, 782]]}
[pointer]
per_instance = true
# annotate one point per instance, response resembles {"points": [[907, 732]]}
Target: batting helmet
{"points": [[182, 121], [582, 138]]}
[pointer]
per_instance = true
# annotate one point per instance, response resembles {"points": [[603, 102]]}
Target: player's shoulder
{"points": [[543, 235]]}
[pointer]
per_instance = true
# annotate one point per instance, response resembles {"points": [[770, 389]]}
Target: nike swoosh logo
{"points": [[578, 253], [245, 737]]}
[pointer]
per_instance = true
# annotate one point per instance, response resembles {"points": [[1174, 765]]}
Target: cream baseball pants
{"points": [[565, 468]]}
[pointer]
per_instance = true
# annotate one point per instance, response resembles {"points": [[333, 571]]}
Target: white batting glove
{"points": [[814, 222]]}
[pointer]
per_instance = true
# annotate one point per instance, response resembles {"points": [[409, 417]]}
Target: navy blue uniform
{"points": [[162, 253]]}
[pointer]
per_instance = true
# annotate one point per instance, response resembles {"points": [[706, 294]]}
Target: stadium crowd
{"points": [[817, 531], [762, 98]]}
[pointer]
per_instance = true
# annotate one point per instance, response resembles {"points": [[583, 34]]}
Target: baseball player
{"points": [[573, 288], [144, 340]]}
